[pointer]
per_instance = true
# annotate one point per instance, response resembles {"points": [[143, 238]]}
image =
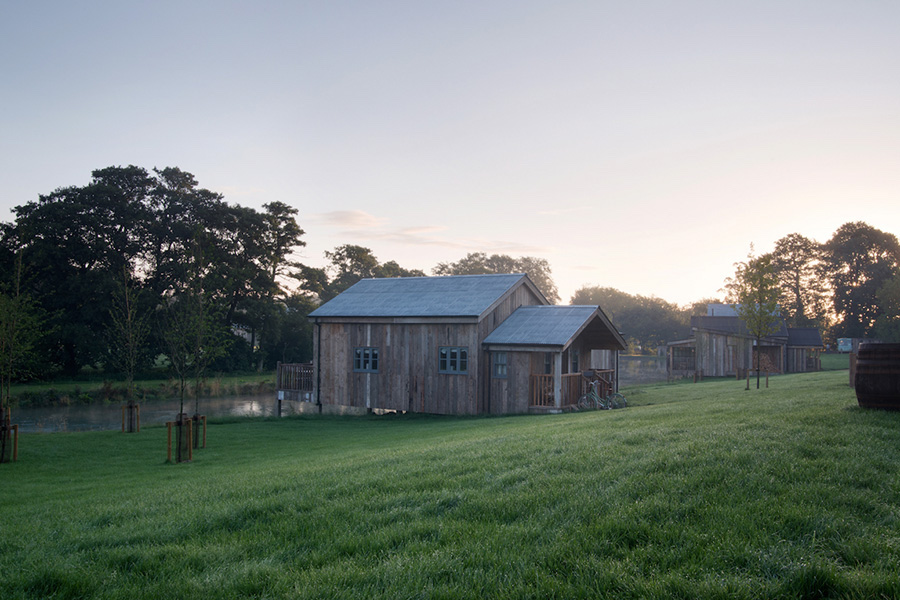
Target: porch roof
{"points": [[556, 326]]}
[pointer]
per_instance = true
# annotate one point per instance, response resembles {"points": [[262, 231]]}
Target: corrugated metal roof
{"points": [[446, 296], [542, 325]]}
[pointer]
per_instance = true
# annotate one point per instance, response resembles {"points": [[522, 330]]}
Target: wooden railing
{"points": [[295, 376], [542, 390], [574, 385]]}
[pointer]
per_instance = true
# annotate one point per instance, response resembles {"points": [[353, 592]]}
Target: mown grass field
{"points": [[695, 491]]}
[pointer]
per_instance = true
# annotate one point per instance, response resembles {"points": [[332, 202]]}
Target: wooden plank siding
{"points": [[408, 377], [511, 394], [721, 355]]}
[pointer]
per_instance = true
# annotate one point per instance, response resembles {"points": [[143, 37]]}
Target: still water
{"points": [[100, 417]]}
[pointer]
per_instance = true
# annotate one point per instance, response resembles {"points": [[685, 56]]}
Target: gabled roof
{"points": [[446, 296], [807, 337], [555, 326], [733, 326]]}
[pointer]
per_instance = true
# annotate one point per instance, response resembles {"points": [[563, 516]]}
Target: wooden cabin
{"points": [[721, 346], [466, 345]]}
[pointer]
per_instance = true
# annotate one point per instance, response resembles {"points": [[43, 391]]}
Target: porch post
{"points": [[557, 380]]}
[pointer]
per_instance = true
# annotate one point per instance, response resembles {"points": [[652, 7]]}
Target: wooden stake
{"points": [[190, 446], [169, 454]]}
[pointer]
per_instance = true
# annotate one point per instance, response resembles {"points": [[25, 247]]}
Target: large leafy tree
{"points": [[20, 330], [887, 324], [77, 243], [754, 292], [645, 321], [858, 261], [478, 263], [347, 264], [291, 338], [797, 261]]}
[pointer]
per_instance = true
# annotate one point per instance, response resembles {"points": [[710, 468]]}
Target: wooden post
{"points": [[169, 455], [197, 418], [767, 379], [190, 446], [748, 380], [131, 417], [10, 435], [557, 380]]}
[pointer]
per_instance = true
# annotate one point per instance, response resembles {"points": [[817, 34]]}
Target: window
{"points": [[453, 359], [365, 360], [574, 356], [499, 364]]}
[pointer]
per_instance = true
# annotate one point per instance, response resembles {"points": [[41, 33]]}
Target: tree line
{"points": [[140, 267], [848, 286]]}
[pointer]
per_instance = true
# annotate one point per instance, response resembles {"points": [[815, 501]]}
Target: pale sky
{"points": [[639, 145]]}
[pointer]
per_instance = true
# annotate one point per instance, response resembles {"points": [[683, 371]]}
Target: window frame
{"points": [[366, 359], [453, 360], [500, 368]]}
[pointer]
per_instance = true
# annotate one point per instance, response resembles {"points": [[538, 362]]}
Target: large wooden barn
{"points": [[469, 344], [721, 346]]}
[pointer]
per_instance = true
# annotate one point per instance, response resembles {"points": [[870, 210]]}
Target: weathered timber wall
{"points": [[408, 377]]}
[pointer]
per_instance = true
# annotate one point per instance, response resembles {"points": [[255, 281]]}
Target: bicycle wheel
{"points": [[616, 400], [585, 402]]}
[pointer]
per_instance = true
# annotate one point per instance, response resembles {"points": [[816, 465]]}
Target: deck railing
{"points": [[574, 385], [542, 390], [295, 377]]}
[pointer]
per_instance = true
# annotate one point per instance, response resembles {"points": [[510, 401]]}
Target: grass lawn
{"points": [[694, 491], [834, 361]]}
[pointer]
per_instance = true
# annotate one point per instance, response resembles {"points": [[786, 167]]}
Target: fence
{"points": [[295, 381]]}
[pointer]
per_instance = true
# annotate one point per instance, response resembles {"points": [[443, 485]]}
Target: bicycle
{"points": [[593, 400]]}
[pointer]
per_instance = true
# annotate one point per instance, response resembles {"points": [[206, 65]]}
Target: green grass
{"points": [[835, 362], [694, 491]]}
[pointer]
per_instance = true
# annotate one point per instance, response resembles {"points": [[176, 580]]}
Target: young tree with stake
{"points": [[753, 292]]}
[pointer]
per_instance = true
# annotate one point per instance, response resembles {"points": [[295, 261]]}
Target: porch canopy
{"points": [[553, 329]]}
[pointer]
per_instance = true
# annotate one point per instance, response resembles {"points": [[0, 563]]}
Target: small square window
{"points": [[365, 360], [453, 359]]}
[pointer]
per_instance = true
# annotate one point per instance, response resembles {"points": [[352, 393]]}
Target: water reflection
{"points": [[109, 417]]}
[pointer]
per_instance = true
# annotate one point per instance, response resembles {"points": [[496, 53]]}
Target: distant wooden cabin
{"points": [[466, 345], [721, 346]]}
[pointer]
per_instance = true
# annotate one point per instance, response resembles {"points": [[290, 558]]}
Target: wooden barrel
{"points": [[877, 379]]}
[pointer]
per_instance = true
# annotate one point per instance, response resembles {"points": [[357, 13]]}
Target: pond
{"points": [[98, 417]]}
